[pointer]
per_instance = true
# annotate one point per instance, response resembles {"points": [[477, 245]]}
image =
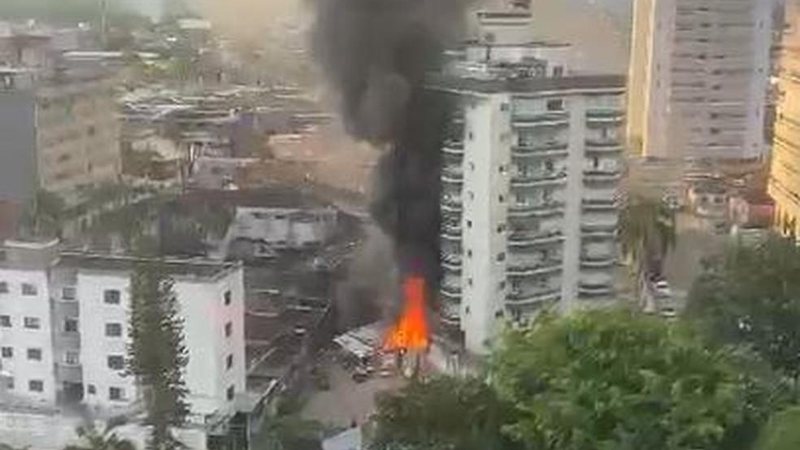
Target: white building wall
{"points": [[19, 338]]}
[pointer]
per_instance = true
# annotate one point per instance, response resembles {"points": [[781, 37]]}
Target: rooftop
{"points": [[195, 268], [527, 85]]}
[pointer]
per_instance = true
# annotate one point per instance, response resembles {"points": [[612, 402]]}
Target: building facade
{"points": [[698, 79], [784, 180], [531, 165], [64, 321]]}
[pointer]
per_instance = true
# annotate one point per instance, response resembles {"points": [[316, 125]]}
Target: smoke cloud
{"points": [[374, 54]]}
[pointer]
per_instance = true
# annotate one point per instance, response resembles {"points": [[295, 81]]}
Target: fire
{"points": [[411, 330]]}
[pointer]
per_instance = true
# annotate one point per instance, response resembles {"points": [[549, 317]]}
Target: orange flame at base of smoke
{"points": [[410, 332]]}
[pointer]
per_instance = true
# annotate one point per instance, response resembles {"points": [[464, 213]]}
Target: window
{"points": [[7, 352], [36, 385], [28, 289], [3, 287], [229, 362], [501, 228], [111, 296], [558, 71], [71, 358], [555, 104], [113, 329], [469, 224], [501, 285], [10, 383], [70, 325], [33, 323], [5, 321], [501, 256], [90, 389], [505, 106], [227, 297], [35, 354], [116, 362], [595, 162], [115, 393], [469, 253], [470, 282], [502, 199], [68, 293], [228, 329], [230, 393], [549, 166]]}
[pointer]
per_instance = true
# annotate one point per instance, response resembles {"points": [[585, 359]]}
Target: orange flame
{"points": [[411, 330]]}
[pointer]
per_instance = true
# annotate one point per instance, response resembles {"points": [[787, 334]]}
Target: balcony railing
{"points": [[597, 262], [526, 238], [595, 289], [450, 291], [453, 148], [603, 146], [599, 204], [602, 176], [540, 150], [451, 262], [522, 180], [521, 298], [544, 119], [520, 210], [524, 269], [599, 230], [451, 205], [451, 230], [604, 117], [455, 176]]}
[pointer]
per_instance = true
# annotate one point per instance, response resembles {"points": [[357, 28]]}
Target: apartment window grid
{"points": [[111, 297], [5, 321], [116, 362], [36, 385], [116, 394], [34, 354], [33, 323], [7, 352], [29, 289], [113, 330]]}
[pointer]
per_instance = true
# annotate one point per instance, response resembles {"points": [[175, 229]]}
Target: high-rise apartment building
{"points": [[698, 78], [529, 178], [64, 320], [784, 180]]}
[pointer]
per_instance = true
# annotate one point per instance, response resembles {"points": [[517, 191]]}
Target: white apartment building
{"points": [[698, 78], [529, 177], [64, 321]]}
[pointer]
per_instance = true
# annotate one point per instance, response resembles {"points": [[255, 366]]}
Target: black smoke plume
{"points": [[375, 54]]}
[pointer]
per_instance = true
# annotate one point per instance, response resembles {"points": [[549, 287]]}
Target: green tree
{"points": [[42, 215], [615, 380], [782, 432], [94, 439], [646, 233], [442, 414], [751, 296], [157, 355]]}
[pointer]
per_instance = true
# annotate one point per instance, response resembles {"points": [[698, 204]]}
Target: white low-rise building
{"points": [[64, 321]]}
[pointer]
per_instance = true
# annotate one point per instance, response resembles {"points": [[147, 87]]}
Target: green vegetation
{"points": [[287, 430], [647, 232], [93, 439], [157, 355], [782, 432]]}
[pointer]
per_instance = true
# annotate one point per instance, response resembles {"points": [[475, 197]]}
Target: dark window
{"points": [[33, 323], [113, 329], [501, 228], [230, 393], [115, 393], [469, 224], [7, 352], [5, 321], [469, 253], [502, 285], [111, 296], [36, 385], [10, 384], [28, 289], [502, 199], [501, 257], [229, 362], [116, 362], [595, 162], [68, 293], [228, 329], [555, 104], [227, 297], [3, 287], [35, 354], [90, 389], [558, 71], [70, 325]]}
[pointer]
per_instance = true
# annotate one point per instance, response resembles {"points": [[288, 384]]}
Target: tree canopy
{"points": [[751, 296], [647, 233], [615, 380], [782, 432]]}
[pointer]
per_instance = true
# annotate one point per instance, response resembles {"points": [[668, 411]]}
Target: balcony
{"points": [[453, 148], [531, 298], [600, 205], [603, 146], [544, 209], [603, 117], [597, 262], [529, 180], [526, 238], [543, 119], [599, 231], [540, 150], [452, 176], [451, 232], [451, 262], [449, 313], [526, 269], [451, 205], [450, 291], [595, 289], [601, 176], [70, 373]]}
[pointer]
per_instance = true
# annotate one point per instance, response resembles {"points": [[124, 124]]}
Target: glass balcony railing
{"points": [[541, 119], [599, 230], [538, 296], [538, 179], [527, 238], [451, 262], [600, 144], [597, 262], [602, 176], [450, 291], [522, 268], [451, 205], [595, 289], [450, 175], [525, 210], [599, 204], [604, 116], [453, 148], [540, 149]]}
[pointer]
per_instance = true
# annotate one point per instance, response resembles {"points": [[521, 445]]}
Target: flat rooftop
{"points": [[196, 268], [526, 85]]}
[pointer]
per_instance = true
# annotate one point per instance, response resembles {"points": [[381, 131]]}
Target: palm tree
{"points": [[93, 439], [647, 233]]}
